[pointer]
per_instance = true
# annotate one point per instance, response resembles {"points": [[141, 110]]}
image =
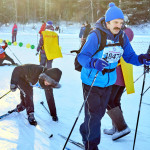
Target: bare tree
{"points": [[92, 16], [15, 8]]}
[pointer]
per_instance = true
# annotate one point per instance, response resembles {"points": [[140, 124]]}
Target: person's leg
{"points": [[1, 62], [9, 59], [12, 37], [15, 36], [51, 102], [43, 59], [94, 111], [119, 126], [111, 105], [26, 95], [113, 97], [118, 121], [118, 97], [49, 63], [21, 106], [27, 100]]}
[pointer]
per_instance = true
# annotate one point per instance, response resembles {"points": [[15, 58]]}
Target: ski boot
{"points": [[54, 118], [31, 119], [110, 131]]}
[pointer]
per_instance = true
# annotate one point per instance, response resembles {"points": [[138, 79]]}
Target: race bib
{"points": [[112, 53]]}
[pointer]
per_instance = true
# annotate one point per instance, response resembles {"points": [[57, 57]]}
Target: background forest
{"points": [[27, 11]]}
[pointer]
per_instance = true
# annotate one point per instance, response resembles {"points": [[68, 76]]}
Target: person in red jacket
{"points": [[4, 56], [14, 32], [42, 27]]}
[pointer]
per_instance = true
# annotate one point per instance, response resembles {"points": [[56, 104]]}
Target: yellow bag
{"points": [[51, 45]]}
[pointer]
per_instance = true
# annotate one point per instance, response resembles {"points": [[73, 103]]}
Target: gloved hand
{"points": [[144, 59], [37, 53], [98, 64], [13, 87]]}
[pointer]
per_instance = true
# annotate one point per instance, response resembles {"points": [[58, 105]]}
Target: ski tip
{"points": [[51, 136]]}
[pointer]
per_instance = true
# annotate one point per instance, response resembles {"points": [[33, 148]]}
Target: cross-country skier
{"points": [[26, 77], [4, 56]]}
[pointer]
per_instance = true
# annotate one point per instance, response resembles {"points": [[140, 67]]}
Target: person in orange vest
{"points": [[14, 32], [42, 27], [114, 104], [4, 56]]}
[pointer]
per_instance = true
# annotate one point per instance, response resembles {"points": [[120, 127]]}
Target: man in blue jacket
{"points": [[104, 62]]}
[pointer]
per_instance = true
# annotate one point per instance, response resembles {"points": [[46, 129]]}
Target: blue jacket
{"points": [[92, 45]]}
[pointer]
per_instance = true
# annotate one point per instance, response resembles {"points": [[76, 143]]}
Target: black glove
{"points": [[13, 87], [144, 59]]}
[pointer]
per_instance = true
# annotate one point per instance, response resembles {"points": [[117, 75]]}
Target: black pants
{"points": [[115, 96], [14, 37], [94, 110], [26, 96], [50, 101], [6, 58]]}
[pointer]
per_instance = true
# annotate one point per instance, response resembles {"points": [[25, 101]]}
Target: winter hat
{"points": [[49, 23], [52, 76], [129, 33], [113, 13]]}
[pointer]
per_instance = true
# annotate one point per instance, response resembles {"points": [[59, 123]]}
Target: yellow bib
{"points": [[51, 45], [127, 70]]}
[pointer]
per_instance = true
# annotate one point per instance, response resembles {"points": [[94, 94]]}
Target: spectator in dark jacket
{"points": [[14, 32], [4, 56], [26, 77], [82, 31], [86, 32]]}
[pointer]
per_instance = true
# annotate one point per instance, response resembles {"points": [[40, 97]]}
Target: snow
{"points": [[15, 131]]}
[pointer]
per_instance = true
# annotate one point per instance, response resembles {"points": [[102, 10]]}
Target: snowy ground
{"points": [[15, 131]]}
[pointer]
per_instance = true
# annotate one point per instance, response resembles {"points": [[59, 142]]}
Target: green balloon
{"points": [[9, 43], [32, 46], [20, 44]]}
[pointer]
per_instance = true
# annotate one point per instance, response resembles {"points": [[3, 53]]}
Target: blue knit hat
{"points": [[113, 13], [49, 23]]}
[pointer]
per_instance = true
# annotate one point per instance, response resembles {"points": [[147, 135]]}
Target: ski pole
{"points": [[139, 109], [44, 106], [137, 79], [5, 94], [80, 111], [146, 90], [15, 55]]}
